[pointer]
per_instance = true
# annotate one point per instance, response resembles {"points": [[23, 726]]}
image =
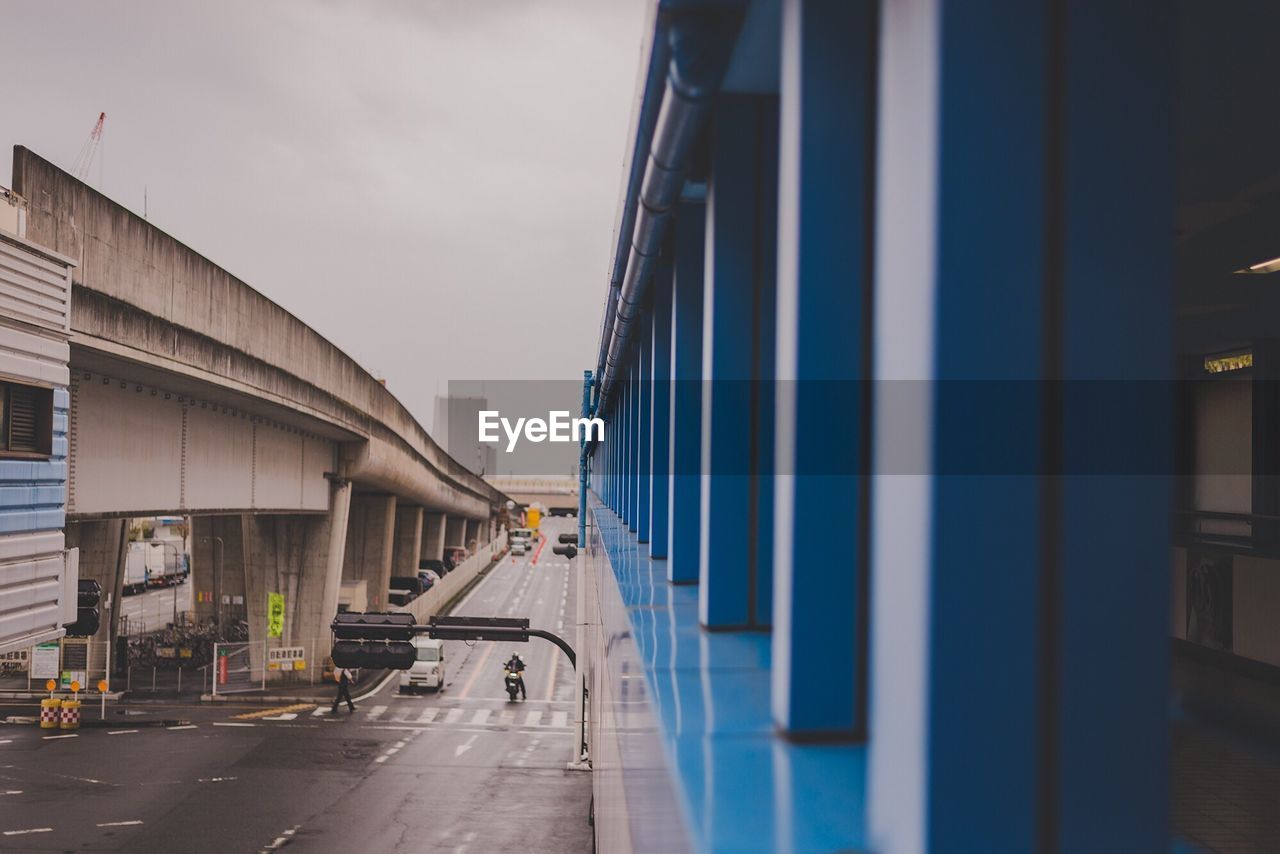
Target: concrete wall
{"points": [[369, 546], [144, 297]]}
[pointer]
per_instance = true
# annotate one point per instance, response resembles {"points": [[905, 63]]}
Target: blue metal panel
{"points": [[827, 119], [693, 706], [737, 224], [644, 422], [33, 493], [686, 395], [661, 426], [983, 693], [633, 441], [1116, 313]]}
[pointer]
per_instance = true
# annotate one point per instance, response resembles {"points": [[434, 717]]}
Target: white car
{"points": [[428, 667], [518, 547]]}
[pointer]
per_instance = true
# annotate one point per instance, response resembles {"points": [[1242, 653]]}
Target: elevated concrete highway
{"points": [[192, 393]]}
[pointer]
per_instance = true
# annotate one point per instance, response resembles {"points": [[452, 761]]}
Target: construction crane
{"points": [[85, 158]]}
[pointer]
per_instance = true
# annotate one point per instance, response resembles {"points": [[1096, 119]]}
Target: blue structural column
{"points": [[739, 287], [686, 392], [633, 486], [644, 421], [1022, 494], [624, 450], [660, 419], [823, 331]]}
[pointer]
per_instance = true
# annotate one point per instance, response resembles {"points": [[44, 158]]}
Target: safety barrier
{"points": [[70, 714], [50, 713]]}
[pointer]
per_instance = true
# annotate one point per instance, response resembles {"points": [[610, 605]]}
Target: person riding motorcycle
{"points": [[516, 665]]}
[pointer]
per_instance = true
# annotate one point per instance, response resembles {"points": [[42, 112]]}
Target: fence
{"points": [[430, 603], [65, 661]]}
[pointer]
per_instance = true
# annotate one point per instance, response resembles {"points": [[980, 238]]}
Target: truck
{"points": [[154, 563]]}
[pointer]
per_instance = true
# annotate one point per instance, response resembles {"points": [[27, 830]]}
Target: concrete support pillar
{"points": [[102, 545], [455, 531], [370, 538], [472, 534], [217, 581], [433, 525], [407, 549]]}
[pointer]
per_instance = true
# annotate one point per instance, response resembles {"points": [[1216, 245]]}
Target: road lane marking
{"points": [[559, 719], [120, 731], [453, 717], [480, 717], [465, 746], [223, 723], [286, 716], [428, 716], [119, 823], [28, 830], [281, 840], [281, 710], [533, 718], [11, 792], [52, 737], [184, 726], [6, 741], [216, 779], [375, 713]]}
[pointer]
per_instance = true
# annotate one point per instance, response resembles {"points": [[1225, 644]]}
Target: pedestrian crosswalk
{"points": [[440, 716]]}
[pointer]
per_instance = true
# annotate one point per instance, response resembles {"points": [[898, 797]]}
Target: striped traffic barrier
{"points": [[50, 712], [71, 714]]}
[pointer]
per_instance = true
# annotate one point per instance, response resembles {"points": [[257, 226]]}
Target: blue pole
{"points": [[582, 462]]}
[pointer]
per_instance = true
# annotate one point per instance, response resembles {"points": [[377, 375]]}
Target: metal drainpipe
{"points": [[701, 45]]}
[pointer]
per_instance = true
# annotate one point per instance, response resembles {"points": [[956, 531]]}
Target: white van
{"points": [[428, 668]]}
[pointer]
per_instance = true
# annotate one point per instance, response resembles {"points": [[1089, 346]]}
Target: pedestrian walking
{"points": [[344, 691]]}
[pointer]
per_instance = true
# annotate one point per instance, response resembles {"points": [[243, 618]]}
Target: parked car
{"points": [[518, 547], [436, 566]]}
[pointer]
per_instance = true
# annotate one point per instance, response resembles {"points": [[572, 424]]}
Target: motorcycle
{"points": [[512, 678]]}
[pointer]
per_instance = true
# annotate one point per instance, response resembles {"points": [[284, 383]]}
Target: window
{"points": [[27, 416]]}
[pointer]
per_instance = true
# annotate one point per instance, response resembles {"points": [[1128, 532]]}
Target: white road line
{"points": [[124, 731], [376, 712], [185, 726], [532, 718], [559, 719], [11, 792], [318, 712], [223, 723], [284, 716], [453, 716], [428, 716], [480, 717], [28, 830], [119, 823], [52, 737], [381, 759], [6, 741]]}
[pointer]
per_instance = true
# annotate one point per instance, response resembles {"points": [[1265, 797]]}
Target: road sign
{"points": [[287, 658], [275, 615]]}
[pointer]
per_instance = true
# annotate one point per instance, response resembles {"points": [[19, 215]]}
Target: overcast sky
{"points": [[431, 185]]}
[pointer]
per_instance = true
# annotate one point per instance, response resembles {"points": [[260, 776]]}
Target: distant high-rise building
{"points": [[456, 420]]}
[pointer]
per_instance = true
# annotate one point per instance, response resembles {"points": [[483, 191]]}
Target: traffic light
{"points": [[374, 655], [375, 625], [88, 618]]}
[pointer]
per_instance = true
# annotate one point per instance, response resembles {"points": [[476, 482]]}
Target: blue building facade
{"points": [[880, 530]]}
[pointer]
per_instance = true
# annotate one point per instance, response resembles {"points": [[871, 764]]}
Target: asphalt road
{"points": [[155, 608], [464, 770]]}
